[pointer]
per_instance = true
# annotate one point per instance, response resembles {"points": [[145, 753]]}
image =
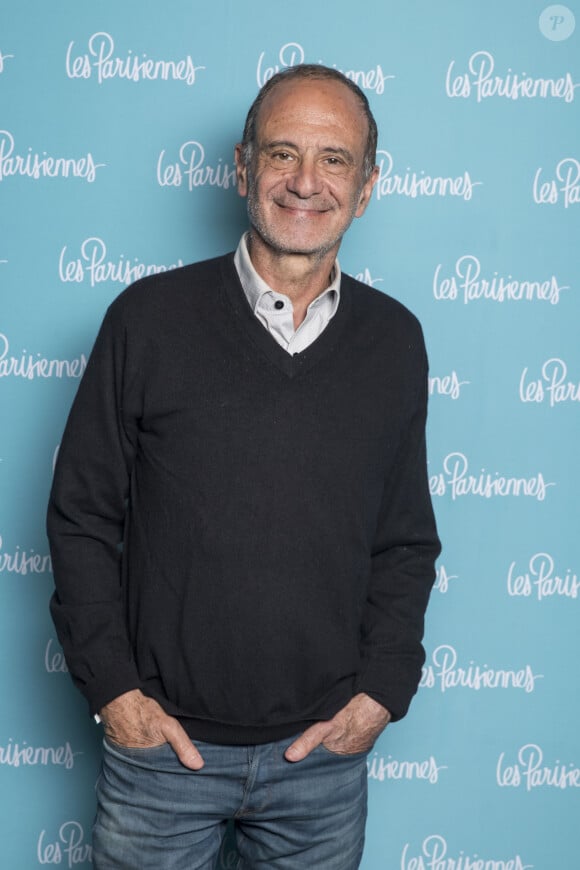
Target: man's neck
{"points": [[301, 277]]}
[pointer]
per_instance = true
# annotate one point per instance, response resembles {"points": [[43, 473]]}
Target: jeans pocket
{"points": [[343, 755], [134, 752]]}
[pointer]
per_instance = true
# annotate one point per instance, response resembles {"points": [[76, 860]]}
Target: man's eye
{"points": [[281, 156], [335, 164]]}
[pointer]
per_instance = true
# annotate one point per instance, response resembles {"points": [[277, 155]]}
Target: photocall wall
{"points": [[117, 126]]}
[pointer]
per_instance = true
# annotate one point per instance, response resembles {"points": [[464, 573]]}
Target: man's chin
{"points": [[297, 247], [316, 253]]}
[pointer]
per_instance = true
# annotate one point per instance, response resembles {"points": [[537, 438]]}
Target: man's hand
{"points": [[135, 721], [353, 729]]}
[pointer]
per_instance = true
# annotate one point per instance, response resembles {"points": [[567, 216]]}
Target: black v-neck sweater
{"points": [[278, 540]]}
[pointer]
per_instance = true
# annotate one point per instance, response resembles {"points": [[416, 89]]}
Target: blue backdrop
{"points": [[117, 122]]}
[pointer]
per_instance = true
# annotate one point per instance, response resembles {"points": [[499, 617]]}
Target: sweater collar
{"points": [[248, 323]]}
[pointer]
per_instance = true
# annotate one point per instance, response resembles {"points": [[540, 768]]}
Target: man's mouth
{"points": [[301, 209]]}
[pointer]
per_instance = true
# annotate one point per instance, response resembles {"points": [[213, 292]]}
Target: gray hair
{"points": [[312, 71]]}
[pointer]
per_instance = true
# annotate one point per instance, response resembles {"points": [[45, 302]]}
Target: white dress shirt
{"points": [[275, 310]]}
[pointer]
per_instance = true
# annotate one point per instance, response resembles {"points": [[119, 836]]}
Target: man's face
{"points": [[305, 181]]}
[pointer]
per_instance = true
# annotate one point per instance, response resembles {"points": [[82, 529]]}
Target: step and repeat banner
{"points": [[117, 124]]}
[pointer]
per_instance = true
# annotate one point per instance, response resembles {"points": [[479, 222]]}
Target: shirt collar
{"points": [[255, 287]]}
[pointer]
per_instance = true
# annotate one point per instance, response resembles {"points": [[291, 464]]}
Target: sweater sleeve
{"points": [[405, 549], [85, 525]]}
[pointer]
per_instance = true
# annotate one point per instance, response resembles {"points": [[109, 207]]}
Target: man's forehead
{"points": [[302, 96]]}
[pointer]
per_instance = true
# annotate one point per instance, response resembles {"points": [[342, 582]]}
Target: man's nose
{"points": [[305, 180]]}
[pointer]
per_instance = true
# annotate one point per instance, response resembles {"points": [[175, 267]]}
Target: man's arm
{"points": [[85, 523], [405, 549], [403, 559]]}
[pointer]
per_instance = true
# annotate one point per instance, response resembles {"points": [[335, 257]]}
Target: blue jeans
{"points": [[154, 813]]}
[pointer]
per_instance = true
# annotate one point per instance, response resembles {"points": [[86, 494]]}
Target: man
{"points": [[252, 429]]}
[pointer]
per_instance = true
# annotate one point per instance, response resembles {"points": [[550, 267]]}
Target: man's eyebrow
{"points": [[277, 143]]}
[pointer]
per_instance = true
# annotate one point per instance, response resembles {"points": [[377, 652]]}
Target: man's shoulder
{"points": [[173, 287], [376, 305]]}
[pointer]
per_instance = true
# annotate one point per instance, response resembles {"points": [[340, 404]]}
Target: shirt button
{"points": [[278, 304]]}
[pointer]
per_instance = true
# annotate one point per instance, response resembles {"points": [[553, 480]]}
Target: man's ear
{"points": [[241, 171], [366, 192]]}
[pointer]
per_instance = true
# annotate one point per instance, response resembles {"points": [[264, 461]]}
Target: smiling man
{"points": [[251, 428]]}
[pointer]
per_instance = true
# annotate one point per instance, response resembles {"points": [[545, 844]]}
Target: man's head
{"points": [[311, 72], [306, 162]]}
